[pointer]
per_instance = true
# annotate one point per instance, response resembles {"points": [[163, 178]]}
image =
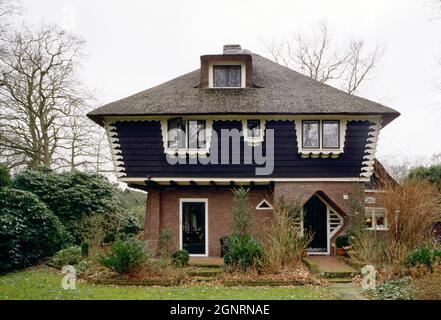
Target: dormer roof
{"points": [[271, 89]]}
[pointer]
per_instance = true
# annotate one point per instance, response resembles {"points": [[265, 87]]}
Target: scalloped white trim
{"points": [[367, 168], [112, 137]]}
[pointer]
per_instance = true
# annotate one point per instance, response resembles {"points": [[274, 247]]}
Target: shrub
{"points": [[243, 252], [424, 256], [85, 249], [240, 212], [70, 195], [28, 230], [165, 242], [284, 242], [411, 211], [396, 289], [129, 225], [124, 257], [5, 177], [69, 256], [180, 258], [430, 174]]}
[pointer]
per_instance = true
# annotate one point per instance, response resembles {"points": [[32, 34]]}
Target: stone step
{"points": [[337, 274], [340, 280]]}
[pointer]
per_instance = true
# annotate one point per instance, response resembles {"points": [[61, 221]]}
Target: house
{"points": [[243, 120]]}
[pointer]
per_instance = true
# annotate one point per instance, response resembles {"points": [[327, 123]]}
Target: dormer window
{"points": [[311, 134], [227, 76]]}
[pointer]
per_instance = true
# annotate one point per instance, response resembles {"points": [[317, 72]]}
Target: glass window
{"points": [[331, 134], [227, 76], [176, 133], [254, 129], [376, 218], [196, 134], [311, 134]]}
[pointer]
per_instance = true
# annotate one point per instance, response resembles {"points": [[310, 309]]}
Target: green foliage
{"points": [[180, 258], [85, 249], [29, 231], [342, 241], [129, 225], [5, 177], [430, 174], [125, 256], [423, 256], [243, 251], [396, 289], [240, 212], [165, 242], [69, 256], [71, 195]]}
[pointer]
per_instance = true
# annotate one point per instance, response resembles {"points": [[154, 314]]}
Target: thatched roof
{"points": [[276, 90]]}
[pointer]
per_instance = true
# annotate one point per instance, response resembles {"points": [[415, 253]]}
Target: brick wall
{"points": [[163, 208], [219, 207]]}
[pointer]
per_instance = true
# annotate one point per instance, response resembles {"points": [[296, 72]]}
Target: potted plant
{"points": [[341, 243]]}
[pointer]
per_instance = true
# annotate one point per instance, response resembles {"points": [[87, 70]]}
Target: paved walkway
{"points": [[331, 265], [206, 261]]}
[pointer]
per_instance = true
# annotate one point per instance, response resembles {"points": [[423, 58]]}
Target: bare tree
{"points": [[38, 93], [319, 57]]}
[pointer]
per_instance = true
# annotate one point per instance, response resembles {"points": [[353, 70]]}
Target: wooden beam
{"points": [[174, 184], [232, 184], [193, 183]]}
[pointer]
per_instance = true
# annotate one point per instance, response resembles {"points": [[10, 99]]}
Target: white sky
{"points": [[133, 45]]}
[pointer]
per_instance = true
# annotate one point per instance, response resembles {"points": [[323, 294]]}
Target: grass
{"points": [[41, 284]]}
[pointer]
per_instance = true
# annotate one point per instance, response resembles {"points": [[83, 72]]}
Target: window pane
{"points": [[331, 134], [253, 128], [196, 134], [220, 76], [176, 133], [311, 134], [227, 76], [234, 76]]}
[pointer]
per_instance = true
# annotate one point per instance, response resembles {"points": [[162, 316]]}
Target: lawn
{"points": [[40, 284]]}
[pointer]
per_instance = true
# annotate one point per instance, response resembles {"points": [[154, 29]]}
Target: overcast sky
{"points": [[133, 45]]}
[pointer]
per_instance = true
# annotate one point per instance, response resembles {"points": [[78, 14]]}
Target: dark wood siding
{"points": [[143, 153]]}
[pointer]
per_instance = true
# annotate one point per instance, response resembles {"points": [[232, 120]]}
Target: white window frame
{"points": [[186, 150], [253, 141], [261, 202], [372, 213], [228, 63], [181, 206], [320, 150]]}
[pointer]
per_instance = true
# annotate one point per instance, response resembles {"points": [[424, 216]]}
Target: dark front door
{"points": [[193, 227], [315, 221]]}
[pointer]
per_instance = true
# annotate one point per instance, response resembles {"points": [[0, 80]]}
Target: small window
{"points": [[196, 134], [176, 133], [254, 129], [264, 205], [376, 218], [225, 76], [178, 137], [311, 134], [331, 134]]}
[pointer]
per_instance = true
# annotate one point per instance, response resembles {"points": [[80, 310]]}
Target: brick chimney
{"points": [[232, 49]]}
